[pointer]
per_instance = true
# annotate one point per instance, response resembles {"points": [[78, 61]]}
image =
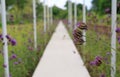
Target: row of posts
{"points": [[49, 11], [47, 19], [113, 28], [48, 16]]}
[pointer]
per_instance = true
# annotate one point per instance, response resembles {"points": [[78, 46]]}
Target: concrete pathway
{"points": [[61, 58]]}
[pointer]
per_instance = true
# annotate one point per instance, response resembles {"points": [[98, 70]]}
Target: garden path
{"points": [[61, 58]]}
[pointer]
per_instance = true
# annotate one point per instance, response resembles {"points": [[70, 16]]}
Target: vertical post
{"points": [[48, 20], [44, 16], [75, 14], [4, 33], [70, 14], [34, 24], [51, 15], [113, 38], [84, 21]]}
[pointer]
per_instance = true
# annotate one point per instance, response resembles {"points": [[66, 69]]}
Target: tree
{"points": [[99, 6], [9, 3]]}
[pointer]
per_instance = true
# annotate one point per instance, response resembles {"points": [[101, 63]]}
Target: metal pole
{"points": [[113, 38], [84, 21], [4, 33], [70, 14], [34, 24], [75, 14], [45, 17], [48, 21], [51, 17]]}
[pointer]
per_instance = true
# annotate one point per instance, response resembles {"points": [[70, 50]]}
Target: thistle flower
{"points": [[13, 42], [14, 56], [97, 61]]}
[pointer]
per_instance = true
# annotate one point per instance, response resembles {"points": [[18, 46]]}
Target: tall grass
{"points": [[27, 57]]}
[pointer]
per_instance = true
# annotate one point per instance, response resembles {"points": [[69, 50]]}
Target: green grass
{"points": [[25, 48]]}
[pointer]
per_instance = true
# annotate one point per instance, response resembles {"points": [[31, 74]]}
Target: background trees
{"points": [[99, 6]]}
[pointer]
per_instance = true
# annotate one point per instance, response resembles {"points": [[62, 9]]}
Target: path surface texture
{"points": [[61, 58]]}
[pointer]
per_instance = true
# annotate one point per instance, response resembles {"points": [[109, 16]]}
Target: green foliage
{"points": [[63, 14], [39, 9], [21, 4], [9, 3], [99, 6], [27, 57], [59, 13]]}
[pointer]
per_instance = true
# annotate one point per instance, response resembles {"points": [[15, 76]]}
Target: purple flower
{"points": [[98, 58], [102, 75], [118, 30], [118, 39], [1, 37], [108, 10], [16, 63], [30, 48], [92, 63], [108, 53], [97, 61], [13, 42], [78, 24], [4, 65], [14, 56], [10, 75], [8, 37]]}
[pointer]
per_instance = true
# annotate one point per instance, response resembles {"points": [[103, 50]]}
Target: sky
{"points": [[61, 3]]}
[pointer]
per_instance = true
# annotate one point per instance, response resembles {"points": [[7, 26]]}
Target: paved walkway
{"points": [[61, 58]]}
